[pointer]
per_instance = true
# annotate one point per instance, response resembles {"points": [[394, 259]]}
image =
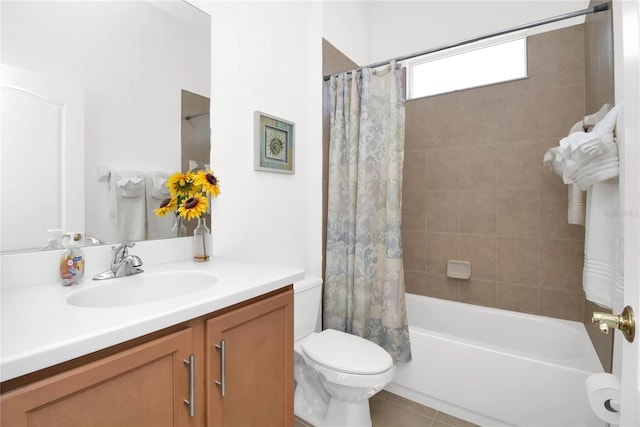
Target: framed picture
{"points": [[274, 144]]}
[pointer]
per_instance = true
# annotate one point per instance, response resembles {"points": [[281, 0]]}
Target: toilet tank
{"points": [[307, 306]]}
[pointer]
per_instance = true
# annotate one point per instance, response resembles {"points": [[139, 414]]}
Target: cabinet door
{"points": [[142, 386], [258, 362]]}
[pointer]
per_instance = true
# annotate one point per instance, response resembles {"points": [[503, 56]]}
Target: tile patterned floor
{"points": [[390, 410]]}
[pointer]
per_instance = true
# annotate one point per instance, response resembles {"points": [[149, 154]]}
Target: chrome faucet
{"points": [[122, 264]]}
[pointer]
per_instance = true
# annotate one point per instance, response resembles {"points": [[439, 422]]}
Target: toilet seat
{"points": [[345, 353]]}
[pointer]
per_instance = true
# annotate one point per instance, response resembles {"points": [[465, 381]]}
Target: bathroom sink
{"points": [[143, 288]]}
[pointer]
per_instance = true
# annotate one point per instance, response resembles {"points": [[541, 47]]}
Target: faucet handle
{"points": [[122, 250]]}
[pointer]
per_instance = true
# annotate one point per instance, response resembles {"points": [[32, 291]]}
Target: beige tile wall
{"points": [[195, 137], [475, 188], [598, 39]]}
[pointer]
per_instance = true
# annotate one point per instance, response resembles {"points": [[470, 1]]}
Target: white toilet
{"points": [[336, 373]]}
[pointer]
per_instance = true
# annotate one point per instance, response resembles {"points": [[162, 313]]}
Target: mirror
{"points": [[133, 63]]}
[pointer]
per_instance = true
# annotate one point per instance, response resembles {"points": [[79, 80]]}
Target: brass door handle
{"points": [[626, 322]]}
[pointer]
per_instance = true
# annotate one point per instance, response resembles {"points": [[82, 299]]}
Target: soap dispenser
{"points": [[71, 260]]}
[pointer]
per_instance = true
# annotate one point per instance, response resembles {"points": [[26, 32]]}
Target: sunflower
{"points": [[193, 207], [181, 184], [207, 182], [167, 205]]}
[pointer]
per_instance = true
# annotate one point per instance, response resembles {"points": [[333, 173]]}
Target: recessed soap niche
{"points": [[459, 269]]}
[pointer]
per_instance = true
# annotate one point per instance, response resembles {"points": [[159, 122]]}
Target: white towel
{"points": [[602, 168], [603, 273], [584, 158], [577, 205], [157, 227], [577, 197], [599, 276], [128, 204]]}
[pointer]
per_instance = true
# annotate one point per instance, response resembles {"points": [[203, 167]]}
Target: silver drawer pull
{"points": [[191, 402], [221, 383]]}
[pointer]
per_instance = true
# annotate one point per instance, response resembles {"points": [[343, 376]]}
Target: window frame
{"points": [[461, 50]]}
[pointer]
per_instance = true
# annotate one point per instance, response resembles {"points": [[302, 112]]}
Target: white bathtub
{"points": [[496, 367]]}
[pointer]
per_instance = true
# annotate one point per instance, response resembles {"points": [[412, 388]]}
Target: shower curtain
{"points": [[364, 277]]}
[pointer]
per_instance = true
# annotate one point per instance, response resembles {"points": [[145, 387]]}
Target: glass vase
{"points": [[201, 241], [178, 229]]}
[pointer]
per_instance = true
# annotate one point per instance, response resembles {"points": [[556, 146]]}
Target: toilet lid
{"points": [[347, 353]]}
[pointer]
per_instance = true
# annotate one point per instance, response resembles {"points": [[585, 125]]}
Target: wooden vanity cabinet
{"points": [[146, 384], [249, 355], [142, 386]]}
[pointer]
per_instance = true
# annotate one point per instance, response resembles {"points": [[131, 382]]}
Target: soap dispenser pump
{"points": [[71, 260]]}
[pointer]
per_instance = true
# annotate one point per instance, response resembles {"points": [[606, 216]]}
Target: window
{"points": [[483, 63]]}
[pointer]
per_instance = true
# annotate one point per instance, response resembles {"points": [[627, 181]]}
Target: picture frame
{"points": [[274, 149]]}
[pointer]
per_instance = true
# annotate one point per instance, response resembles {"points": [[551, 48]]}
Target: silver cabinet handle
{"points": [[221, 383], [191, 402]]}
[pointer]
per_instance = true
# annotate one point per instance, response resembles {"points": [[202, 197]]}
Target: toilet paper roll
{"points": [[603, 391]]}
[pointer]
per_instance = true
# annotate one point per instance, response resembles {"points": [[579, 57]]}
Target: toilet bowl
{"points": [[336, 373]]}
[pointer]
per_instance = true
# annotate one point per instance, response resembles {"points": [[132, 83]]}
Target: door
{"points": [[250, 365], [626, 24], [142, 386]]}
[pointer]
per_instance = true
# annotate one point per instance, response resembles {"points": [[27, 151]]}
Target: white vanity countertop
{"points": [[40, 329]]}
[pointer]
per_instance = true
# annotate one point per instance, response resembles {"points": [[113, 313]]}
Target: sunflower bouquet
{"points": [[188, 200], [188, 193]]}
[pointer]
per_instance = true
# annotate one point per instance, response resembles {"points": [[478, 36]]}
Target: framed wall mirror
{"points": [[132, 62]]}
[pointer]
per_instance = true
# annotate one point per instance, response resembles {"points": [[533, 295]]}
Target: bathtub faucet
{"points": [[625, 322]]}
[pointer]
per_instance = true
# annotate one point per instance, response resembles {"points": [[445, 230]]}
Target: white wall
{"points": [[371, 31], [267, 56], [347, 24], [405, 27], [133, 59]]}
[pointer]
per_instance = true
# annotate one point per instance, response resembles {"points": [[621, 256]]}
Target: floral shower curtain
{"points": [[364, 277]]}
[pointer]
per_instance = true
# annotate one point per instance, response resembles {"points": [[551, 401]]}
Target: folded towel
{"points": [[157, 227], [601, 168], [581, 144], [128, 204], [603, 273], [600, 277], [585, 158]]}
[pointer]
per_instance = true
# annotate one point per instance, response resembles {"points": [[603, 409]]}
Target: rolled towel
{"points": [[576, 210]]}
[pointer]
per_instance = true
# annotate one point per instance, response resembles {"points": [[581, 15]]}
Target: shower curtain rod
{"points": [[193, 116], [595, 9]]}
